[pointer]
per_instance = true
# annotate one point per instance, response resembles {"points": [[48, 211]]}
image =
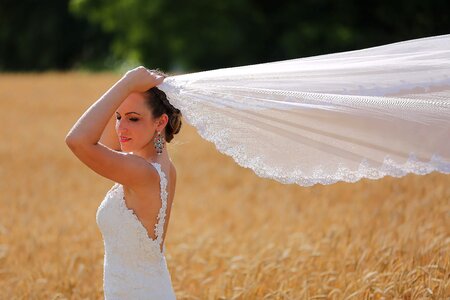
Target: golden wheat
{"points": [[232, 235]]}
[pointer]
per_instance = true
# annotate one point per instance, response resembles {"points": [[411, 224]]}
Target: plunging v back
{"points": [[134, 265]]}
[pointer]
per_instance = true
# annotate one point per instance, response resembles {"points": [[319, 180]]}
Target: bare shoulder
{"points": [[125, 168]]}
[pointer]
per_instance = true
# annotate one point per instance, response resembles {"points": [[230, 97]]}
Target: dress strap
{"points": [[159, 227]]}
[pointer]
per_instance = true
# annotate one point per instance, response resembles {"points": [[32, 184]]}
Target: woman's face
{"points": [[135, 125]]}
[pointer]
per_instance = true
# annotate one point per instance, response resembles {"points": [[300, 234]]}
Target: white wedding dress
{"points": [[134, 266]]}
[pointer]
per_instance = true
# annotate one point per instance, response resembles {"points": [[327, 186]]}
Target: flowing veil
{"points": [[337, 117]]}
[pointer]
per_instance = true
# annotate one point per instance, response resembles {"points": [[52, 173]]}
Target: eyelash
{"points": [[131, 119]]}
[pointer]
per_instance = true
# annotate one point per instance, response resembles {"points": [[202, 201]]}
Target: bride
{"points": [[134, 215]]}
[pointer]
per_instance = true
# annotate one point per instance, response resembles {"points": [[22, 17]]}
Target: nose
{"points": [[121, 127]]}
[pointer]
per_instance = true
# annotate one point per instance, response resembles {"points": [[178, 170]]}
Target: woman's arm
{"points": [[89, 128]]}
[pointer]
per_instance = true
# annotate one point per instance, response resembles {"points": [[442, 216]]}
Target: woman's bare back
{"points": [[146, 201]]}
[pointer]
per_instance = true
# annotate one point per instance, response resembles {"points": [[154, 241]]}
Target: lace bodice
{"points": [[134, 266]]}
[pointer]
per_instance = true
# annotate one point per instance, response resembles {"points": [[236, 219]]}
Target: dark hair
{"points": [[158, 104]]}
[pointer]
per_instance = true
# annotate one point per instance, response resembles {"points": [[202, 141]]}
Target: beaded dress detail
{"points": [[134, 266]]}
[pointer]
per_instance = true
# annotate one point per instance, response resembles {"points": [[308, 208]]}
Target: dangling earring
{"points": [[159, 143]]}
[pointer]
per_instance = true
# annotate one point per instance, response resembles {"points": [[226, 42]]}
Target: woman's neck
{"points": [[152, 156]]}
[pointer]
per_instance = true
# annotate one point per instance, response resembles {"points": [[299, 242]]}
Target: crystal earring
{"points": [[159, 143]]}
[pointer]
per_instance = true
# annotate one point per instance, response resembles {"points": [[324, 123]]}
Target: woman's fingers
{"points": [[156, 72], [159, 80], [142, 78], [159, 77]]}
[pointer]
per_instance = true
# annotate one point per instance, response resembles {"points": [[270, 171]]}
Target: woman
{"points": [[132, 217]]}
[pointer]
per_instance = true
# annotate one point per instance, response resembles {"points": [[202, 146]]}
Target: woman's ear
{"points": [[163, 120]]}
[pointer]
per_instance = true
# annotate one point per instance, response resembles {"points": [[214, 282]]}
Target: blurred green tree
{"points": [[200, 34], [178, 34]]}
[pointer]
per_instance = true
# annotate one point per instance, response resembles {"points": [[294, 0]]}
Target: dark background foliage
{"points": [[202, 34]]}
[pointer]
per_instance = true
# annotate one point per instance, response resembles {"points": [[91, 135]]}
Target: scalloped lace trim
{"points": [[319, 176]]}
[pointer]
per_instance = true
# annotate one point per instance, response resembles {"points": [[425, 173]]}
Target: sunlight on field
{"points": [[232, 235]]}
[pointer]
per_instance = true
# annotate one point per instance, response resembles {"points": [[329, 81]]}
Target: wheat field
{"points": [[232, 235]]}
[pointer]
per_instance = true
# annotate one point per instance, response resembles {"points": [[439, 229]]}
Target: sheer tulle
{"points": [[338, 117]]}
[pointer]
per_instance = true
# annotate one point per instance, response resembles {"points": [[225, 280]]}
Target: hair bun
{"points": [[159, 104]]}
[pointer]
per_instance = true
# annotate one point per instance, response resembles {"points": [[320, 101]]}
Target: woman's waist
{"points": [[135, 261]]}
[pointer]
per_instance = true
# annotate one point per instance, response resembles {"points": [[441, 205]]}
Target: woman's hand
{"points": [[141, 79]]}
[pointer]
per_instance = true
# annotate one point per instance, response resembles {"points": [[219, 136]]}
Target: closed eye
{"points": [[131, 119]]}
